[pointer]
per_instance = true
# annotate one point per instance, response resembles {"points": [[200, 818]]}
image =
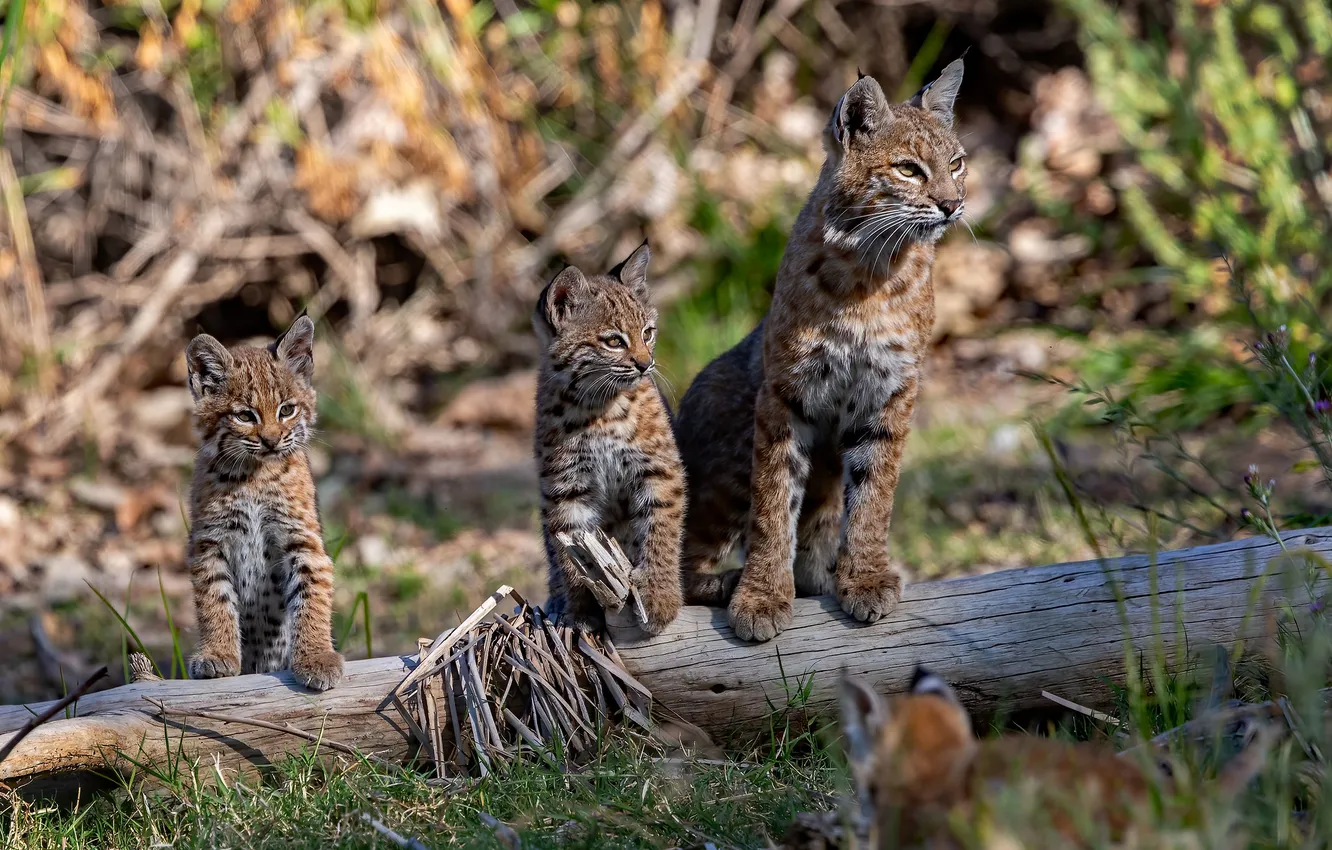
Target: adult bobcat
{"points": [[604, 447], [795, 435], [263, 585]]}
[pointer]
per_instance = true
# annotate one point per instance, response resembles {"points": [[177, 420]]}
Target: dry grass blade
{"points": [[320, 740], [39, 323]]}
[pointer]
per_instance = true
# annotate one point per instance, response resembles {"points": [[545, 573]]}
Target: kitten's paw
{"points": [[318, 671], [205, 666], [579, 615], [662, 609], [757, 616], [869, 595], [714, 589]]}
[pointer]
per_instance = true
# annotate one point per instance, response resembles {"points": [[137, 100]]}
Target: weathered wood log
{"points": [[1001, 638], [120, 728]]}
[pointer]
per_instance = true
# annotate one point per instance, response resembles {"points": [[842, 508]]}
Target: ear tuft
{"points": [[633, 271], [207, 362], [938, 96], [861, 111], [295, 348], [925, 682]]}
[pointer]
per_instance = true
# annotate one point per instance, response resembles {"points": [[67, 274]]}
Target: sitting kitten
{"points": [[604, 447], [263, 585]]}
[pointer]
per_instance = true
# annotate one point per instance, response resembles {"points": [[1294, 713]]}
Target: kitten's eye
{"points": [[958, 163], [247, 417], [287, 411], [910, 170], [614, 343], [649, 333]]}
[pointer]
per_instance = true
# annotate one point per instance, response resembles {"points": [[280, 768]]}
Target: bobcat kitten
{"points": [[922, 774], [793, 439], [604, 447], [263, 585]]}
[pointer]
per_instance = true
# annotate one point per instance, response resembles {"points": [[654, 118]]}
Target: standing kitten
{"points": [[263, 585], [793, 439], [604, 447]]}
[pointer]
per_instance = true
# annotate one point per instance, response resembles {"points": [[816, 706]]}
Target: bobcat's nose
{"points": [[269, 443], [950, 207], [643, 364]]}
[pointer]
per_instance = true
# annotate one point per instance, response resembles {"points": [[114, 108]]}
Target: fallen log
{"points": [[1002, 638]]}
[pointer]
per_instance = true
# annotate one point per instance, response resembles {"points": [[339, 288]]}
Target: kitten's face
{"points": [[599, 333], [254, 404], [919, 749], [899, 170]]}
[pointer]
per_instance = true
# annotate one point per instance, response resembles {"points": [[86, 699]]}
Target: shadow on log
{"points": [[1001, 638]]}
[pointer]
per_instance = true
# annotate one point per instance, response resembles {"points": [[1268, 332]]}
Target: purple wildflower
{"points": [[1322, 405]]}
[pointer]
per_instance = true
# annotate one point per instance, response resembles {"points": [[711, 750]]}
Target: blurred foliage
{"points": [[731, 295], [1223, 109]]}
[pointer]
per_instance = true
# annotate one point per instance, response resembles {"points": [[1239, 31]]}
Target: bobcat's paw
{"points": [[714, 589], [869, 594], [758, 616], [662, 608], [318, 671], [206, 666], [582, 615]]}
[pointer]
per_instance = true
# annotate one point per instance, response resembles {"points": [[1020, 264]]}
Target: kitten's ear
{"points": [[208, 362], [863, 715], [861, 111], [633, 271], [295, 348], [937, 97], [556, 299], [925, 682]]}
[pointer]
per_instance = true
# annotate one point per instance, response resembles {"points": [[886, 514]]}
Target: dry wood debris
{"points": [[505, 682]]}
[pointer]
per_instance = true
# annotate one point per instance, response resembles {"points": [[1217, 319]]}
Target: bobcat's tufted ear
{"points": [[864, 714], [295, 348], [633, 271], [556, 299], [208, 362], [925, 682], [937, 97], [861, 111]]}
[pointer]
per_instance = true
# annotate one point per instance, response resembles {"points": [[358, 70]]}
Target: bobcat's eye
{"points": [[287, 411], [958, 163], [614, 342], [649, 333], [246, 417], [910, 170]]}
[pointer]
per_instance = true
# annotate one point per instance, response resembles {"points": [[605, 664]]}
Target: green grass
{"points": [[628, 798], [631, 796]]}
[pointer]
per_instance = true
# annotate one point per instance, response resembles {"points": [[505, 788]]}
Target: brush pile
{"points": [[490, 688]]}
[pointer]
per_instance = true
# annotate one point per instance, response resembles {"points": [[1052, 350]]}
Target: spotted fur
{"points": [[793, 439], [263, 584], [604, 447]]}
